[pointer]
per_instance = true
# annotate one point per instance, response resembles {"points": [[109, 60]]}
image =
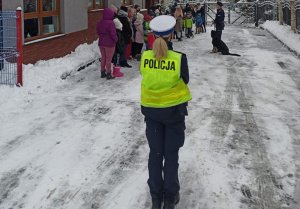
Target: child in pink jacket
{"points": [[108, 38]]}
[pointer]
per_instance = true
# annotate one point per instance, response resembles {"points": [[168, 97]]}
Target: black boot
{"points": [[109, 76], [138, 57], [156, 203], [171, 202], [125, 64], [103, 74]]}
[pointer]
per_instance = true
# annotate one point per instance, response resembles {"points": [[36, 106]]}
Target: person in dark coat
{"points": [[187, 8], [126, 32], [173, 8], [219, 20], [120, 46], [151, 12]]}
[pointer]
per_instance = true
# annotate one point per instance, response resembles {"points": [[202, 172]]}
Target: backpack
{"points": [[199, 20]]}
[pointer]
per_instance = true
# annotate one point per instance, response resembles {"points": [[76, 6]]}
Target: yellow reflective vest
{"points": [[162, 85]]}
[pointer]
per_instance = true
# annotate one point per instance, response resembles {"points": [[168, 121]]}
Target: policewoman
{"points": [[164, 99]]}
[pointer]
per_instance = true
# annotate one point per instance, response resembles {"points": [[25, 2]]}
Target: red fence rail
{"points": [[11, 56]]}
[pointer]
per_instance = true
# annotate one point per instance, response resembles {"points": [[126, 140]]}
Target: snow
{"points": [[80, 142], [284, 34], [44, 76]]}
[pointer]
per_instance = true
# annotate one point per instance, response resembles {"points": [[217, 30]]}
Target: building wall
{"points": [[74, 15], [61, 46], [142, 3], [11, 4], [76, 23], [118, 3]]}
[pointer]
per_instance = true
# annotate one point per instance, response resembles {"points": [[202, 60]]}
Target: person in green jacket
{"points": [[188, 25], [147, 29]]}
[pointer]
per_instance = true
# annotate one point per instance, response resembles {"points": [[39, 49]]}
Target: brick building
{"points": [[54, 28]]}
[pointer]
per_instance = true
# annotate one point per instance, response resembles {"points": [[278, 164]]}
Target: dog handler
{"points": [[164, 97], [219, 20]]}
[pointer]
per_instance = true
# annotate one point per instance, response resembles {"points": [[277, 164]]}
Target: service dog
{"points": [[219, 45]]}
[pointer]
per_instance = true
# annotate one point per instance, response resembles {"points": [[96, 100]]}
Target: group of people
{"points": [[123, 32], [116, 34], [185, 18], [164, 89]]}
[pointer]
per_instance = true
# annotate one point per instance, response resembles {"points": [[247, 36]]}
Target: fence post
{"points": [[256, 13], [1, 42], [205, 9], [229, 13], [19, 47], [293, 15], [280, 12]]}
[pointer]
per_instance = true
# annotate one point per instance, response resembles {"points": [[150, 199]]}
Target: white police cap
{"points": [[162, 25]]}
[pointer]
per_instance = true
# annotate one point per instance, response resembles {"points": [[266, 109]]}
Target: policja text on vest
{"points": [[159, 64]]}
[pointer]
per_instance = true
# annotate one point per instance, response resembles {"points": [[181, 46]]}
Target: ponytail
{"points": [[160, 48]]}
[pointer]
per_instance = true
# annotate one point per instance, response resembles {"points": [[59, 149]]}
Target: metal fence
{"points": [[298, 16], [254, 11], [245, 12], [242, 13], [266, 10], [11, 48]]}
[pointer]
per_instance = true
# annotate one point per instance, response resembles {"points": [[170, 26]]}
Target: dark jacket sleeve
{"points": [[219, 21], [127, 32], [184, 69]]}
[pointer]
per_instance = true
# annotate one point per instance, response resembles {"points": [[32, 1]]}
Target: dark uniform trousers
{"points": [[219, 34], [165, 136]]}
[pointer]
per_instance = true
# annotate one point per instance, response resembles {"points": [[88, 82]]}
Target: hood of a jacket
{"points": [[123, 13], [118, 24], [108, 14], [147, 17]]}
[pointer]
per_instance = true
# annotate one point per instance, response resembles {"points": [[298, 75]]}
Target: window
{"points": [[96, 4], [41, 18]]}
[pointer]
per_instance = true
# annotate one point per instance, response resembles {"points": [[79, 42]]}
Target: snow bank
{"points": [[46, 75], [284, 34]]}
